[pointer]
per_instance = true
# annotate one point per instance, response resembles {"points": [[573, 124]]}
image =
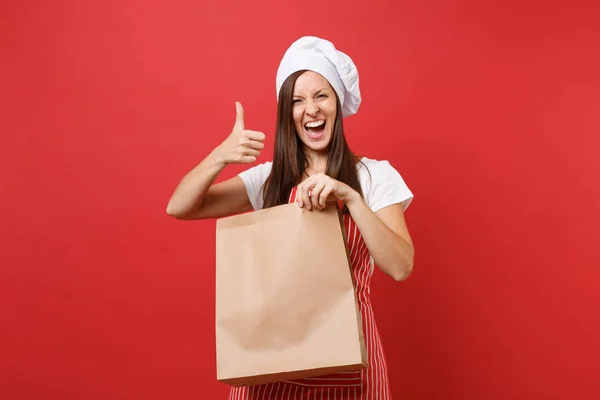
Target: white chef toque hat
{"points": [[321, 56]]}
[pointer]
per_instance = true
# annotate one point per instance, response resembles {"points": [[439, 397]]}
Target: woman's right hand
{"points": [[242, 146]]}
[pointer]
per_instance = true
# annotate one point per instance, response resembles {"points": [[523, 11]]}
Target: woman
{"points": [[317, 86]]}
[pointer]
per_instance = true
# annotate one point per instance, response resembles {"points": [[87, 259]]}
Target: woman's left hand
{"points": [[318, 189]]}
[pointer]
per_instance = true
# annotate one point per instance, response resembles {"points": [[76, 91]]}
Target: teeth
{"points": [[314, 124]]}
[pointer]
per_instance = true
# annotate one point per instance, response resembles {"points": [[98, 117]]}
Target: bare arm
{"points": [[197, 197], [386, 236], [384, 232]]}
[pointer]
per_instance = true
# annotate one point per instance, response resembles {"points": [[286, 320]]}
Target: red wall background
{"points": [[490, 110]]}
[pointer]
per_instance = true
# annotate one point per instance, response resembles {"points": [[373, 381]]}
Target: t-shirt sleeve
{"points": [[388, 187], [254, 179]]}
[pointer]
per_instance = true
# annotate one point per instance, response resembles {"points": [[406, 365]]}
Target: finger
{"points": [[254, 135], [246, 151], [239, 116], [299, 196], [316, 194], [244, 158], [325, 194], [253, 144], [304, 197], [248, 159], [306, 185]]}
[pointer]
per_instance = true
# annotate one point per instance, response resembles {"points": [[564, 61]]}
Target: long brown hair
{"points": [[289, 160]]}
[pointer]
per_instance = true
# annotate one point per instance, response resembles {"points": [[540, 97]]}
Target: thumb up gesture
{"points": [[242, 146]]}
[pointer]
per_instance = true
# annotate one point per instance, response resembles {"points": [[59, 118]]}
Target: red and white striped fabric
{"points": [[369, 384]]}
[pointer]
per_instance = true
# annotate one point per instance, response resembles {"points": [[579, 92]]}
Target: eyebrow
{"points": [[317, 92]]}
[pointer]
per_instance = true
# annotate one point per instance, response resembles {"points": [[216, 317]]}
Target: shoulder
{"points": [[258, 171], [372, 164], [371, 171], [382, 184], [254, 179]]}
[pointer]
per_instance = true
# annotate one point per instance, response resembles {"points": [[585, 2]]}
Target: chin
{"points": [[318, 145]]}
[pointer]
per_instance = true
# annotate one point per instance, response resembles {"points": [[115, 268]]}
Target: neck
{"points": [[317, 161]]}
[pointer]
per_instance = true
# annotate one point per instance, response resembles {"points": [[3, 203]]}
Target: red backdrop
{"points": [[490, 111]]}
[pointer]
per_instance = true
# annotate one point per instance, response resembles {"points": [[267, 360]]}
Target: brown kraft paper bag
{"points": [[285, 299]]}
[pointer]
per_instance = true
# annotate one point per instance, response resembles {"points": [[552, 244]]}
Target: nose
{"points": [[312, 109]]}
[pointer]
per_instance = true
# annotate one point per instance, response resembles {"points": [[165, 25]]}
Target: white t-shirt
{"points": [[381, 184]]}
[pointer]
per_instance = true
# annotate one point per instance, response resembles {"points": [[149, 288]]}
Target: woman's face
{"points": [[314, 110]]}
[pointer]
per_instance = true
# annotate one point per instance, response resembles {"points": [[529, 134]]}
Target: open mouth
{"points": [[315, 129]]}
